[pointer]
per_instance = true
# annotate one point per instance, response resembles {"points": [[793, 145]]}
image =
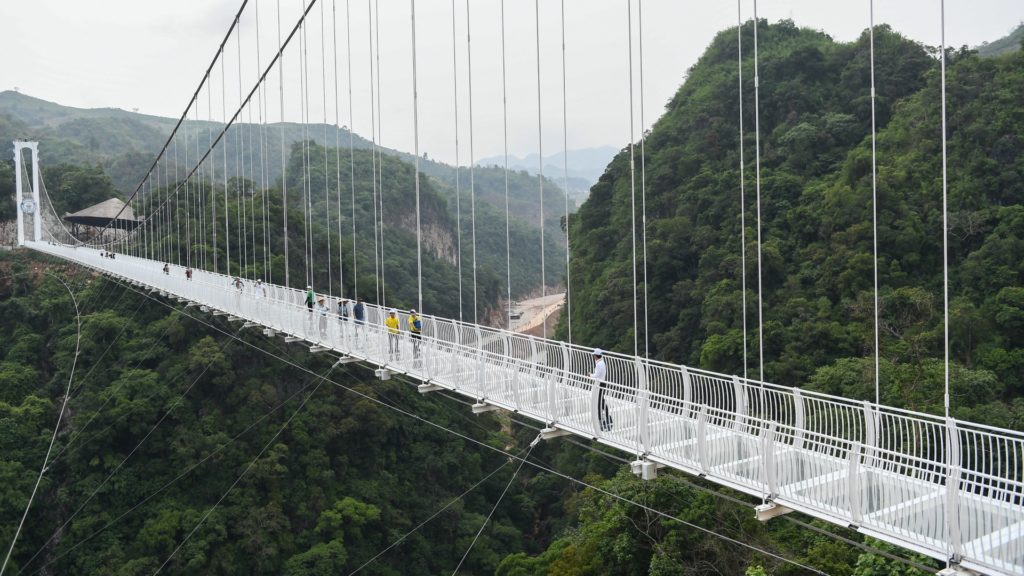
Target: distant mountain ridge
{"points": [[1012, 42], [585, 166]]}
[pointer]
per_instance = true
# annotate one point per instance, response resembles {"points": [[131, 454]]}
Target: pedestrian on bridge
{"points": [[359, 311], [599, 376], [310, 298], [393, 332], [322, 310], [167, 269], [188, 273], [415, 332], [343, 311], [261, 290]]}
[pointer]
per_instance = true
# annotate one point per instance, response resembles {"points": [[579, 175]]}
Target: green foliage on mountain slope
{"points": [[174, 411], [816, 189]]}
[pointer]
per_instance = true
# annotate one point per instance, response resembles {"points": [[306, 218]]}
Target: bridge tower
{"points": [[27, 206]]}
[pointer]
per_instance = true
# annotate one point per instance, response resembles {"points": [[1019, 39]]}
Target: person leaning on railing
{"points": [[415, 332], [393, 326]]}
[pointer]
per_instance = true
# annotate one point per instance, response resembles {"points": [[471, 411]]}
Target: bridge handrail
{"points": [[725, 389]]}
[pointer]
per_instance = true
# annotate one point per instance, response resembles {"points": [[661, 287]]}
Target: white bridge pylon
{"points": [[944, 488], [27, 206]]}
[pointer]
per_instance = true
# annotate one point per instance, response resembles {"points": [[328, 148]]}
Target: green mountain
{"points": [[1012, 42], [816, 223], [121, 143], [326, 490]]}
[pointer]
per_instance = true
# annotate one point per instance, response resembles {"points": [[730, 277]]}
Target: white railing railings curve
{"points": [[940, 487]]}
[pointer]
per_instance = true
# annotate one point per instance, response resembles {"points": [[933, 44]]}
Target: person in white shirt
{"points": [[322, 310], [599, 380], [261, 290]]}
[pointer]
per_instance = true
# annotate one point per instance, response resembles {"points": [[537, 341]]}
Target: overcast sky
{"points": [[150, 55]]}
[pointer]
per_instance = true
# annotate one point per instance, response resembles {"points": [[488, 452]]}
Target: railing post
{"points": [[643, 404], [702, 438], [953, 488], [853, 488], [870, 430], [555, 387], [687, 391], [480, 368], [799, 426], [768, 458], [741, 404]]}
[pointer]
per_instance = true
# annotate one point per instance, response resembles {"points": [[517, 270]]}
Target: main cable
{"points": [[431, 517], [484, 445], [495, 507], [244, 472], [56, 428]]}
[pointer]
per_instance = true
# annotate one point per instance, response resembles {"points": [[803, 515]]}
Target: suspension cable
{"points": [[757, 156], [952, 508], [351, 151], [416, 174], [472, 158], [373, 152], [486, 446], [307, 184], [458, 167], [431, 517], [240, 171], [224, 155], [643, 177], [565, 182], [945, 219], [874, 194], [56, 428], [284, 153], [327, 170], [244, 472], [632, 173], [743, 208], [504, 117], [501, 497], [540, 172], [380, 150], [337, 149]]}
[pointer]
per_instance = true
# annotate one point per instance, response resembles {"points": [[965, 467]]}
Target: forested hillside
{"points": [[348, 476], [173, 409], [79, 146], [816, 223]]}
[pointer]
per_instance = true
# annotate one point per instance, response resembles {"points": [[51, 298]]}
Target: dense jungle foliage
{"points": [[816, 191], [180, 431], [331, 482]]}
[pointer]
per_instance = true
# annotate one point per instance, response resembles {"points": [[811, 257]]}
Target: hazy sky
{"points": [[150, 55]]}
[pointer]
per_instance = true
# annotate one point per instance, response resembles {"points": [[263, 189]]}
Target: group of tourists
{"points": [[354, 312]]}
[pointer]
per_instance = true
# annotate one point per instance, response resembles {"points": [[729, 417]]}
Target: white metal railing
{"points": [[940, 487]]}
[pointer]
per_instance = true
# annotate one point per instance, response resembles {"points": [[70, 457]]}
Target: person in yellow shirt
{"points": [[415, 332], [393, 326]]}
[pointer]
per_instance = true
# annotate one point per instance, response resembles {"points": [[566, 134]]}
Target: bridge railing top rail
{"points": [[633, 368]]}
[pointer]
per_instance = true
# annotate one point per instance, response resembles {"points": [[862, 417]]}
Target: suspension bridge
{"points": [[943, 487]]}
